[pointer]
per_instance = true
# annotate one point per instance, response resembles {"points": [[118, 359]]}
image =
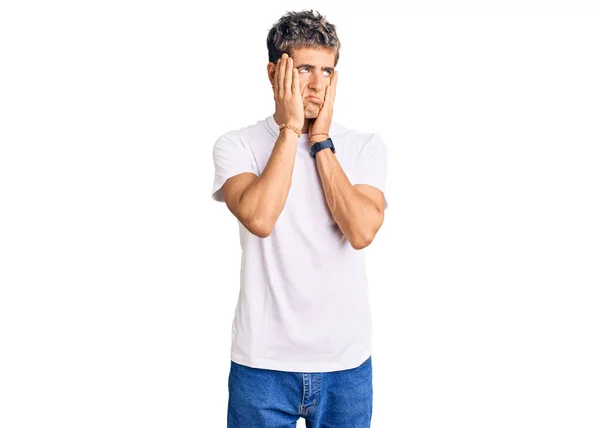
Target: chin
{"points": [[311, 112]]}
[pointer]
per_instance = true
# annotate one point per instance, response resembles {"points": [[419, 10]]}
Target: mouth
{"points": [[314, 99]]}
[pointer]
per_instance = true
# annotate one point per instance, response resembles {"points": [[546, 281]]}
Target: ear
{"points": [[271, 72]]}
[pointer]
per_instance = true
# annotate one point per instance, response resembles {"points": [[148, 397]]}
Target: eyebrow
{"points": [[312, 67]]}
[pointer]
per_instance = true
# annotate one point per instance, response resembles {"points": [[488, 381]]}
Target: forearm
{"points": [[355, 214], [264, 199]]}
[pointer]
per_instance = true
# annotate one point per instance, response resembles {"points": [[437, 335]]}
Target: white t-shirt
{"points": [[303, 304]]}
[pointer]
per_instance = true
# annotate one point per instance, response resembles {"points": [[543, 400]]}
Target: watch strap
{"points": [[317, 147]]}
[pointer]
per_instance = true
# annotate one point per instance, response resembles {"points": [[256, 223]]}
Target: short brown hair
{"points": [[306, 29]]}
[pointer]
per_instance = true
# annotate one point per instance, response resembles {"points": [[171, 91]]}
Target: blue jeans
{"points": [[262, 398]]}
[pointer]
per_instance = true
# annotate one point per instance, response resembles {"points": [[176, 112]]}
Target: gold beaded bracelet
{"points": [[292, 127]]}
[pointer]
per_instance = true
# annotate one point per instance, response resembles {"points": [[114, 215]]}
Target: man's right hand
{"points": [[286, 92]]}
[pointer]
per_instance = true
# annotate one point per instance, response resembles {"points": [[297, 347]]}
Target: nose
{"points": [[316, 82]]}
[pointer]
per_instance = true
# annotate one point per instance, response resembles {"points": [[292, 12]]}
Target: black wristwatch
{"points": [[320, 146]]}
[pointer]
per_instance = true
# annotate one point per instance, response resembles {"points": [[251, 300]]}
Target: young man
{"points": [[308, 194]]}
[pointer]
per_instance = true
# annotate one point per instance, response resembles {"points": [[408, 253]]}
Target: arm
{"points": [[257, 201], [357, 210]]}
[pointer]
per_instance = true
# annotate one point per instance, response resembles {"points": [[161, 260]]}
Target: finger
{"points": [[287, 81], [332, 87], [326, 100], [281, 76], [276, 79], [295, 81]]}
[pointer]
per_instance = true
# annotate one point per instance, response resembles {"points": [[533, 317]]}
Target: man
{"points": [[308, 194]]}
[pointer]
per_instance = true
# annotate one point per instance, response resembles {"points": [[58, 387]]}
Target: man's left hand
{"points": [[318, 129]]}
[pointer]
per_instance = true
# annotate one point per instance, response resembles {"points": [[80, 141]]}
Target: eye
{"points": [[302, 69], [327, 73]]}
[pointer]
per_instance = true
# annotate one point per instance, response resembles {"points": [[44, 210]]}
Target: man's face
{"points": [[315, 68]]}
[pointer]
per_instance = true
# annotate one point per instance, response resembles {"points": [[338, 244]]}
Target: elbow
{"points": [[359, 245], [256, 221], [360, 242], [261, 233], [255, 224], [363, 238], [259, 228]]}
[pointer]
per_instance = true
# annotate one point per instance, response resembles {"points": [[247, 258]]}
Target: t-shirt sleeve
{"points": [[230, 158], [371, 165]]}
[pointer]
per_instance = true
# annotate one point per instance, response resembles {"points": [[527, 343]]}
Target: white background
{"points": [[119, 274]]}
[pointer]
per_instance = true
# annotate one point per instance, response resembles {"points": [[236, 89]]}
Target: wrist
{"points": [[291, 128], [321, 145], [317, 137], [288, 131]]}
